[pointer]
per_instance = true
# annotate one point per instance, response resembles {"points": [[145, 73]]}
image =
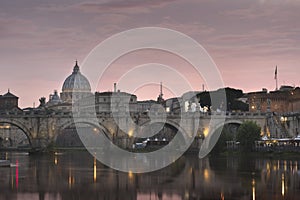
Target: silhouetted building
{"points": [[9, 102], [145, 106], [54, 99], [109, 102]]}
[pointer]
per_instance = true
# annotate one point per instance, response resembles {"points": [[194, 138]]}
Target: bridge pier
{"points": [[40, 143]]}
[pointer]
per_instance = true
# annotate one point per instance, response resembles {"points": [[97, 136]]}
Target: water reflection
{"points": [[282, 184], [55, 159], [17, 174], [253, 189], [95, 170], [78, 175]]}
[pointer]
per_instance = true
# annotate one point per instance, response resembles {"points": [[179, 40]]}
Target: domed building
{"points": [[75, 87], [54, 99]]}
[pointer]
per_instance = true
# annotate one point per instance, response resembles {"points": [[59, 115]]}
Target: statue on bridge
{"points": [[42, 102]]}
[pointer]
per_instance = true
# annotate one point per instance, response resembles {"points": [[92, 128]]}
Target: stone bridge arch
{"points": [[171, 123], [92, 123], [21, 125], [231, 121], [259, 122], [213, 134]]}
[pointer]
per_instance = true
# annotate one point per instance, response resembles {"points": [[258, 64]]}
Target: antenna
{"points": [[161, 93], [115, 87], [276, 78]]}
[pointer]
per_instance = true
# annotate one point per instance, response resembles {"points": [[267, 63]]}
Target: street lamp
{"points": [[283, 119]]}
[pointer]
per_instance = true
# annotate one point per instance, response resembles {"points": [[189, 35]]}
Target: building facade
{"points": [[109, 102], [284, 100]]}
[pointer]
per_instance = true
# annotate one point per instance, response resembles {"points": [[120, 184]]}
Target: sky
{"points": [[247, 39]]}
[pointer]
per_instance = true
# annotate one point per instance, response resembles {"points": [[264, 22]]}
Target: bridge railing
{"points": [[234, 114], [49, 113], [291, 114]]}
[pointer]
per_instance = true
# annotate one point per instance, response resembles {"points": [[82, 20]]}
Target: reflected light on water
{"points": [[191, 170], [285, 165], [275, 165], [268, 166], [186, 195], [71, 179], [95, 170], [55, 160], [253, 189], [76, 176], [12, 181], [222, 196], [282, 185], [17, 174], [157, 196], [268, 169], [206, 174], [130, 175]]}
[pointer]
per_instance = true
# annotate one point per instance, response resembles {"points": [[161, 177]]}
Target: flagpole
{"points": [[276, 78]]}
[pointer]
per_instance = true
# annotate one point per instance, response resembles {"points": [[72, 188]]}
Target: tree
{"points": [[225, 136], [248, 133], [232, 102]]}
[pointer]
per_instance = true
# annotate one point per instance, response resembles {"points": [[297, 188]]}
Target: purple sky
{"points": [[40, 40]]}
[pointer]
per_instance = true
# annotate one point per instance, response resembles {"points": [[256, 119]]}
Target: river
{"points": [[78, 175]]}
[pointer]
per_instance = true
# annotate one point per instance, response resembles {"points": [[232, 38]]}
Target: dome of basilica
{"points": [[75, 87], [76, 82]]}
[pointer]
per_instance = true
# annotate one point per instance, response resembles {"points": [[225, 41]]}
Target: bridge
{"points": [[43, 127]]}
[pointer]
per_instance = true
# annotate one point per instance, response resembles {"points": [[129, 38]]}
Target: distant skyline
{"points": [[247, 39]]}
